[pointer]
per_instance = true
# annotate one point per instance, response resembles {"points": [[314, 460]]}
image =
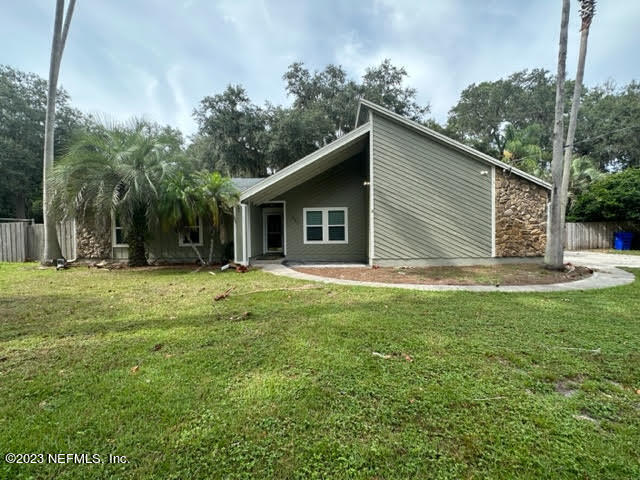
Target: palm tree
{"points": [[115, 170], [180, 205], [554, 252], [523, 151], [587, 12], [187, 197], [52, 249], [584, 171], [217, 197]]}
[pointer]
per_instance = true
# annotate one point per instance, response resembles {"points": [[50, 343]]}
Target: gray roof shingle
{"points": [[243, 183]]}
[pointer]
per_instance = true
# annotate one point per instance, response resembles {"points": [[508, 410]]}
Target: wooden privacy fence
{"points": [[22, 241], [580, 236]]}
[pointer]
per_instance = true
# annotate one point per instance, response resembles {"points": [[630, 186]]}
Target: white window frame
{"points": [[200, 236], [113, 233], [325, 225]]}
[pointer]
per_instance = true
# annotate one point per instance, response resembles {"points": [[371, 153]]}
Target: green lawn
{"points": [[500, 385]]}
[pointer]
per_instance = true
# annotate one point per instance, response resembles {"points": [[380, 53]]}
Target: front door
{"points": [[273, 232]]}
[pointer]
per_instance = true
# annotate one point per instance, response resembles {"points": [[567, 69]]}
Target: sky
{"points": [[159, 58]]}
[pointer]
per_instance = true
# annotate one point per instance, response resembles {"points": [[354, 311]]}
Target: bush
{"points": [[614, 197]]}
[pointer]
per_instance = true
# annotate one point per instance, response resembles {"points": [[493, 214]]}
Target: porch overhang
{"points": [[308, 167]]}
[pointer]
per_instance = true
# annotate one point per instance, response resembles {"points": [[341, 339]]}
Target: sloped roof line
{"points": [[305, 161], [449, 141]]}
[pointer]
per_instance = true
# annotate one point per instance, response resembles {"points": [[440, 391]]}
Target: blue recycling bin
{"points": [[622, 240]]}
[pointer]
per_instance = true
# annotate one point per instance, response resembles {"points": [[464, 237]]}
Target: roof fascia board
{"points": [[305, 161], [358, 114], [452, 143]]}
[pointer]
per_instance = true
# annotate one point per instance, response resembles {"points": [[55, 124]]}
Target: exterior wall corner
{"points": [[520, 217]]}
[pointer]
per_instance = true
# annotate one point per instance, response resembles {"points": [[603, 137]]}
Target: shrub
{"points": [[614, 197]]}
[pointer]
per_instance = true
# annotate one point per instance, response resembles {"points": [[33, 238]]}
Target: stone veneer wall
{"points": [[93, 242], [521, 216]]}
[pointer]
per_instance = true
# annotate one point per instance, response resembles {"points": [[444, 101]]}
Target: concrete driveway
{"points": [[597, 259]]}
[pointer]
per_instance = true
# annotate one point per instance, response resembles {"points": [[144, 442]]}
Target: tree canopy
{"points": [[241, 138], [23, 101], [614, 197], [509, 118], [489, 114]]}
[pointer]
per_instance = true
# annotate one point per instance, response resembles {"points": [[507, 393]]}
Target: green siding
{"points": [[340, 186], [163, 246], [430, 201]]}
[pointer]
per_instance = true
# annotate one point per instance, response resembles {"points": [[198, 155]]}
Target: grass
{"points": [[500, 385]]}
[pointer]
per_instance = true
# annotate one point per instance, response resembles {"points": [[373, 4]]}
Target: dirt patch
{"points": [[507, 274], [567, 387]]}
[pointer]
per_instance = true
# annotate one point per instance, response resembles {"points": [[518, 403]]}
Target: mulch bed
{"points": [[507, 274]]}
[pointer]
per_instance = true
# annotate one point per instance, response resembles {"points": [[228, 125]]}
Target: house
{"points": [[163, 246], [390, 192], [393, 192]]}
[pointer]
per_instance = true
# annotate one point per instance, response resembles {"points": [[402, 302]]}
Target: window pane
{"points": [[314, 217], [336, 233], [120, 236], [336, 217], [192, 235], [314, 234]]}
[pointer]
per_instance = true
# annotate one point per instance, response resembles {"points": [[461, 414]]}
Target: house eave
{"points": [[306, 161]]}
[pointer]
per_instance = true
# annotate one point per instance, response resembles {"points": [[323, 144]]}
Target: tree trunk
{"points": [[573, 120], [197, 252], [52, 248], [555, 227], [211, 249], [221, 239], [136, 240]]}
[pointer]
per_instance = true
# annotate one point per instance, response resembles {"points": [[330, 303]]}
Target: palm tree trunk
{"points": [[555, 229], [211, 248], [217, 240], [573, 117], [197, 252], [52, 248], [136, 239], [221, 238]]}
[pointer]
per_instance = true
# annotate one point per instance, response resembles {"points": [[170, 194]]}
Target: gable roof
{"points": [[444, 140], [309, 166]]}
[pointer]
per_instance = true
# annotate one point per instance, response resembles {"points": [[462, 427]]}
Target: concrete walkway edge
{"points": [[603, 277]]}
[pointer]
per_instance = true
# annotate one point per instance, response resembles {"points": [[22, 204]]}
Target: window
{"points": [[325, 225], [118, 233], [191, 235]]}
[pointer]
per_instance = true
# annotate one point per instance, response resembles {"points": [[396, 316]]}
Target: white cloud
{"points": [[182, 115], [160, 62]]}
